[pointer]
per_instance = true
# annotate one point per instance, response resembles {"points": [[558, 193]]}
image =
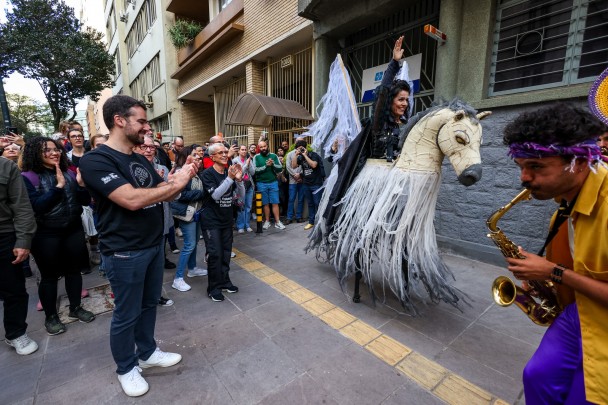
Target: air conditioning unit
{"points": [[123, 16]]}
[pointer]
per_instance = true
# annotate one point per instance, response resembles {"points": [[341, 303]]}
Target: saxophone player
{"points": [[556, 151]]}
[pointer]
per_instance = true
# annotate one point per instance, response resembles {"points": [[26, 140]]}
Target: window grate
{"points": [[541, 44]]}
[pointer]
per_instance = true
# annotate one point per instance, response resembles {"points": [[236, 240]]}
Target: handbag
{"points": [[189, 216]]}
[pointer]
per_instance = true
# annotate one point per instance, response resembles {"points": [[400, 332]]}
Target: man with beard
{"points": [[129, 195], [267, 166], [555, 149]]}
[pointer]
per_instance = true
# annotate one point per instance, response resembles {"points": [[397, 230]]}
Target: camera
{"points": [[302, 149], [8, 130]]}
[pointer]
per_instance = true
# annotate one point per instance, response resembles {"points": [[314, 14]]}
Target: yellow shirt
{"points": [[590, 219]]}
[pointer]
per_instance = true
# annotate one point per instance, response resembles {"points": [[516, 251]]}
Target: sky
{"points": [[18, 84]]}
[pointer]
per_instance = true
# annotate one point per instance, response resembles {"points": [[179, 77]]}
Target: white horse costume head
{"points": [[450, 130]]}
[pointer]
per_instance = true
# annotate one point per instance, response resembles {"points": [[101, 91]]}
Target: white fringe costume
{"points": [[398, 237]]}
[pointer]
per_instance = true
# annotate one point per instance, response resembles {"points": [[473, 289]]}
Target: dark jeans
{"points": [[295, 189], [314, 199], [12, 289], [136, 278], [60, 252], [219, 246]]}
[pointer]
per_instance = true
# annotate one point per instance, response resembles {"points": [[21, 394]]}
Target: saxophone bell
{"points": [[504, 291]]}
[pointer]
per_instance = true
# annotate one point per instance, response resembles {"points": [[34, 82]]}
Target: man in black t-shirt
{"points": [[219, 183], [129, 195], [313, 176]]}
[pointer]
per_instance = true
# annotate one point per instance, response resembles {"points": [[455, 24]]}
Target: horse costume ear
{"points": [[483, 114], [458, 115]]}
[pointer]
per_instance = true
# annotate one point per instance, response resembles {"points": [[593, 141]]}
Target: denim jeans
{"points": [[314, 199], [187, 256], [242, 219], [136, 279], [293, 190]]}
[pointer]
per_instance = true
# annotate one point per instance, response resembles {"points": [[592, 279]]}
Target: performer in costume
{"points": [[598, 104], [555, 148], [381, 213]]}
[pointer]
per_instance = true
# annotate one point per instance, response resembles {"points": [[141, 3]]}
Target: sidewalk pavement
{"points": [[290, 336]]}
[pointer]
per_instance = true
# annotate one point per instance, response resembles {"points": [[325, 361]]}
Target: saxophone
{"points": [[504, 290]]}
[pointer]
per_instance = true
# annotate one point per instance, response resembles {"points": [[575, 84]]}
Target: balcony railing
{"points": [[221, 30]]}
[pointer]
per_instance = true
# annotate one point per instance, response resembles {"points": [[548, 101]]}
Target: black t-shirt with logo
{"points": [[103, 171], [310, 176], [216, 214]]}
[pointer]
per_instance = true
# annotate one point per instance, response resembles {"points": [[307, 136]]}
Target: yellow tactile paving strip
{"points": [[445, 384]]}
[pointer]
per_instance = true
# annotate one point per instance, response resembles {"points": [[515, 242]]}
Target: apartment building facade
{"points": [[245, 46], [144, 58]]}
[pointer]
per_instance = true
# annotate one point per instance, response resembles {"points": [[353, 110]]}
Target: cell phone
{"points": [[235, 142], [14, 130]]}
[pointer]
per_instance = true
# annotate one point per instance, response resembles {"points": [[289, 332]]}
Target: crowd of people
{"points": [[117, 200]]}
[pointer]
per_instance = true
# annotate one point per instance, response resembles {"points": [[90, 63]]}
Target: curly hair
{"points": [[31, 158], [560, 124]]}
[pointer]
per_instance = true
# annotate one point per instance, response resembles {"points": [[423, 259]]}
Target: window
{"points": [[224, 3], [117, 63], [548, 43], [161, 124], [147, 80], [143, 22], [111, 25]]}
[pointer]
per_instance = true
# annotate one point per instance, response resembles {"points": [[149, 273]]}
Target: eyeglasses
{"points": [[13, 148], [221, 153], [77, 136], [48, 151], [148, 147]]}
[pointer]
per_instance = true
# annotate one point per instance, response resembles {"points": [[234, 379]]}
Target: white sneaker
{"points": [[253, 217], [161, 359], [180, 285], [266, 225], [23, 344], [179, 232], [232, 255], [175, 251], [197, 272], [249, 230], [241, 231], [279, 225], [133, 384]]}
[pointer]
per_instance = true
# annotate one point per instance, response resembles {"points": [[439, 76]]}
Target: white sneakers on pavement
{"points": [[23, 344], [197, 272], [180, 285], [132, 383], [232, 255], [249, 230], [266, 225], [241, 231], [161, 359], [279, 225]]}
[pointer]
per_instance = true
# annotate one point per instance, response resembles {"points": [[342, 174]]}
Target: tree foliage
{"points": [[42, 40], [29, 115]]}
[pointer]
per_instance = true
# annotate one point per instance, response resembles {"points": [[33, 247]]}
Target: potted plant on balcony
{"points": [[183, 32]]}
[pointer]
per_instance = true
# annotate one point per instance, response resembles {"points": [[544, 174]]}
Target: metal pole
{"points": [[4, 105]]}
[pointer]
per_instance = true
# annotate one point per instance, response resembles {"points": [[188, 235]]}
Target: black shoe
{"points": [[232, 289], [169, 265], [216, 296], [53, 325], [299, 220], [81, 314], [287, 222], [165, 302]]}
